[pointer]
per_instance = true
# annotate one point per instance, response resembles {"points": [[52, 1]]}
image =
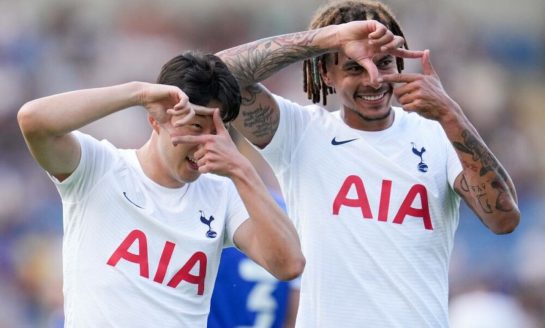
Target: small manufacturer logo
{"points": [[422, 167], [210, 233], [130, 201], [336, 142]]}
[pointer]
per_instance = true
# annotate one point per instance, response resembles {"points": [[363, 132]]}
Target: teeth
{"points": [[372, 98], [192, 160]]}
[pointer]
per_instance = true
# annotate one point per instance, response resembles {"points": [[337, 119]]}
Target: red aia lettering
{"points": [[362, 201], [123, 252], [141, 258]]}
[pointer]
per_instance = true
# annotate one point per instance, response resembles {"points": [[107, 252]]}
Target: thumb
{"points": [[218, 123], [426, 64], [371, 69]]}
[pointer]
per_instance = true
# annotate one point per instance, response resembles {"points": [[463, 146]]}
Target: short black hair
{"points": [[203, 78]]}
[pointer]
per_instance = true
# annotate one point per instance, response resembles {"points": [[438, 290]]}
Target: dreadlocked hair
{"points": [[336, 13]]}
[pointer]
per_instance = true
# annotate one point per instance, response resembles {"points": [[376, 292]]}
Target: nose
{"points": [[370, 81]]}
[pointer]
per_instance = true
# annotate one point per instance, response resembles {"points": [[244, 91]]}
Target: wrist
{"points": [[135, 90], [329, 38], [453, 117]]}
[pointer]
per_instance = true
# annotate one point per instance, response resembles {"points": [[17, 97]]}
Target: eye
{"points": [[354, 69], [386, 62]]}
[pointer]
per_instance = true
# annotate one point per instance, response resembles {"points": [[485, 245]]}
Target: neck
{"points": [[154, 168]]}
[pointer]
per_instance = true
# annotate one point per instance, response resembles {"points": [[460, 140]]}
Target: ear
{"points": [[154, 124], [324, 73]]}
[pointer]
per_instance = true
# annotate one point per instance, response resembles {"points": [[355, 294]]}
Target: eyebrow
{"points": [[351, 62]]}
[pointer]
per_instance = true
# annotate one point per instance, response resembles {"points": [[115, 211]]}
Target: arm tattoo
{"points": [[250, 96], [256, 61], [473, 146], [261, 121], [478, 151]]}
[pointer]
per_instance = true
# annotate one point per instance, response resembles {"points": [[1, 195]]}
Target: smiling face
{"points": [[176, 165], [364, 107]]}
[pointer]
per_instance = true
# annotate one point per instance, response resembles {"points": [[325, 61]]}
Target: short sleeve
{"points": [[96, 159], [294, 119], [235, 216]]}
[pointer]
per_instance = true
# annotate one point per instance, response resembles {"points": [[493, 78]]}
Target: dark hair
{"points": [[203, 78], [338, 13]]}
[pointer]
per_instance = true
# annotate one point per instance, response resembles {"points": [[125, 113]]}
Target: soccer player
{"points": [[374, 189], [144, 228]]}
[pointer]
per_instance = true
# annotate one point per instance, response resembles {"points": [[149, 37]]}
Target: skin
{"points": [[362, 72], [186, 141], [483, 184]]}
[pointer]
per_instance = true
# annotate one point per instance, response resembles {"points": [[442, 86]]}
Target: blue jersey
{"points": [[246, 295]]}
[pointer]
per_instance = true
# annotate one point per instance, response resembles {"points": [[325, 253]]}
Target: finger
{"points": [[184, 120], [403, 88], [395, 43], [426, 64], [202, 161], [410, 106], [201, 139], [377, 30], [218, 123], [199, 153], [404, 53], [201, 110], [183, 99], [204, 169], [383, 40], [407, 98], [400, 77], [178, 111], [371, 69]]}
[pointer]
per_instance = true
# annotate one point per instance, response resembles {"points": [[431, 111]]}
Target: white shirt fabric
{"points": [[111, 207], [368, 264]]}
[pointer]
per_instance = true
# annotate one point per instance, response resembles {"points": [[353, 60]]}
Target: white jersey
{"points": [[136, 254], [376, 214]]}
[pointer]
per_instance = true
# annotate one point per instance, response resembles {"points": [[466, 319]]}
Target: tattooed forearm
{"points": [[463, 184], [256, 61], [249, 96], [503, 202], [479, 152], [480, 192], [261, 121], [482, 161]]}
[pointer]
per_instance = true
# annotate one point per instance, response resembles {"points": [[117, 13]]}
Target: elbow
{"points": [[291, 269], [26, 119], [506, 223]]}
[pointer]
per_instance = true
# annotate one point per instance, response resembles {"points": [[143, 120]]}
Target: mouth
{"points": [[375, 97], [192, 163]]}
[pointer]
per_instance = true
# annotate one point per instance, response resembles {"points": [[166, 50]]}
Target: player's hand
{"points": [[422, 93], [159, 98], [185, 112], [361, 40], [217, 153]]}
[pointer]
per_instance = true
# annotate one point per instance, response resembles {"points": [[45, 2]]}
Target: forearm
{"points": [[59, 114], [485, 184], [274, 242], [254, 62]]}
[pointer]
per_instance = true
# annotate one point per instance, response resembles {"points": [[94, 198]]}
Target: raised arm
{"points": [[268, 237], [483, 184], [254, 62], [47, 123]]}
